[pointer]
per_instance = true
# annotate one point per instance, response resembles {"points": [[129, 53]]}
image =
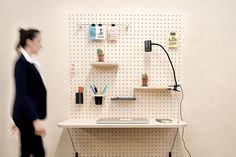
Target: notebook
{"points": [[122, 121]]}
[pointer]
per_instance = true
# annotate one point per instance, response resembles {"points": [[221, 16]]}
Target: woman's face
{"points": [[35, 44]]}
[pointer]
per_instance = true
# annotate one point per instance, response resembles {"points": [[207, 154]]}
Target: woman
{"points": [[30, 99]]}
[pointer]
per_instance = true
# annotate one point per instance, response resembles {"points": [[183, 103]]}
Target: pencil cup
{"points": [[98, 100], [79, 98]]}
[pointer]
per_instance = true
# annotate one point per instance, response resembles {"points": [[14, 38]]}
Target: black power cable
{"points": [[181, 116], [182, 137]]}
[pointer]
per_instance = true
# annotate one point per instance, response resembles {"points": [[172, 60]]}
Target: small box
{"points": [[100, 32], [112, 33], [92, 32]]}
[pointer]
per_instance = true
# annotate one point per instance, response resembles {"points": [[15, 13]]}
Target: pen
{"points": [[100, 90], [104, 90], [80, 90], [92, 88], [95, 89]]}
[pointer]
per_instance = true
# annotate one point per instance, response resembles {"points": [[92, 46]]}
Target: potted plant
{"points": [[100, 55], [144, 79]]}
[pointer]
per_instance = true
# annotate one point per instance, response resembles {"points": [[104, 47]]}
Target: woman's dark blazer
{"points": [[30, 97]]}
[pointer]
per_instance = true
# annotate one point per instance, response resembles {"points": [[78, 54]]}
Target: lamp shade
{"points": [[148, 45]]}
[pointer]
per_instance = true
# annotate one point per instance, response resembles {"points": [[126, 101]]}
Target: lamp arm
{"points": [[173, 69]]}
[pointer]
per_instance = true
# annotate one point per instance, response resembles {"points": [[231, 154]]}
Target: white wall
{"points": [[208, 67]]}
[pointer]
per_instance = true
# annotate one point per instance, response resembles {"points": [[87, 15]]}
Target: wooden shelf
{"points": [[123, 98], [153, 88], [104, 64]]}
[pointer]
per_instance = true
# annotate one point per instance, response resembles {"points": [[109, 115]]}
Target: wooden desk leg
{"points": [[170, 152], [76, 153]]}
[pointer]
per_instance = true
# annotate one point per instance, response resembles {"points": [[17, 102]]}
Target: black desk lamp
{"points": [[148, 48]]}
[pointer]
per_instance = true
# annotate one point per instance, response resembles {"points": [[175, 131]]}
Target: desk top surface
{"points": [[91, 123]]}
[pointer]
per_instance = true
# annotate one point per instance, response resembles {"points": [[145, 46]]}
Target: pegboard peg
{"points": [[126, 28]]}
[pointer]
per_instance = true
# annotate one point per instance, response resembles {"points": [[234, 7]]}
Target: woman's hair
{"points": [[24, 35]]}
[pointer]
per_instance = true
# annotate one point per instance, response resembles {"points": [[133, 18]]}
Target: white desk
{"points": [[91, 123]]}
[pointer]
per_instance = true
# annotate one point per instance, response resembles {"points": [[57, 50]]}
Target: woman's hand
{"points": [[39, 128], [14, 129]]}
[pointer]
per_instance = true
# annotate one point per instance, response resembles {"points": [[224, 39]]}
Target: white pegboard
{"points": [[128, 52]]}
